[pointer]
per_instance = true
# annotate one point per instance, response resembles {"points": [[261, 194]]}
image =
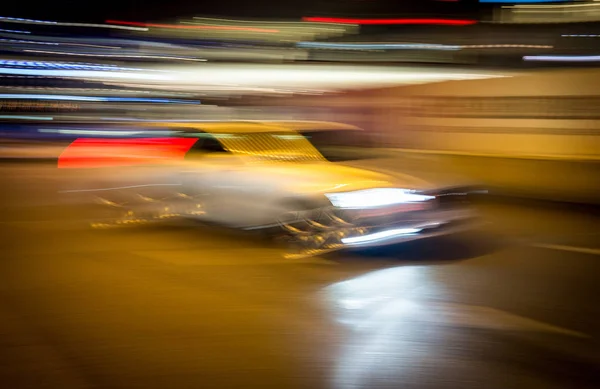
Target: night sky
{"points": [[153, 10]]}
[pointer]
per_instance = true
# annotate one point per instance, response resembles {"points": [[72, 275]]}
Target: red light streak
{"points": [[95, 153], [177, 26], [446, 22]]}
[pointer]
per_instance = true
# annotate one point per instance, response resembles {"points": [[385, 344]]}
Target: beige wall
{"points": [[544, 126], [543, 114]]}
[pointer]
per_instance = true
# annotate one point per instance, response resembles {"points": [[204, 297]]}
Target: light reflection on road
{"points": [[399, 321], [375, 308]]}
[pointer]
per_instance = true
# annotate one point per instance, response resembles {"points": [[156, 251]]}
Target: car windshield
{"points": [[340, 145]]}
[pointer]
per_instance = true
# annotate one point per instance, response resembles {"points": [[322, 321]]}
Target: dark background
{"points": [[147, 10]]}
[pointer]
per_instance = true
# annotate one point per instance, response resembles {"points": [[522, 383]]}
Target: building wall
{"points": [[542, 114], [553, 113], [535, 134]]}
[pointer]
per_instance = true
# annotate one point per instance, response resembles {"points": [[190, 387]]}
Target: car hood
{"points": [[416, 173], [332, 177]]}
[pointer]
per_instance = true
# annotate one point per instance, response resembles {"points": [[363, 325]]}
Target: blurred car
{"points": [[275, 177]]}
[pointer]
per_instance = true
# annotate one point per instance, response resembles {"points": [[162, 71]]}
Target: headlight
{"points": [[371, 198]]}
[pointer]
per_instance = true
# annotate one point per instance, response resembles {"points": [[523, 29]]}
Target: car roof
{"points": [[225, 126], [310, 125], [254, 126]]}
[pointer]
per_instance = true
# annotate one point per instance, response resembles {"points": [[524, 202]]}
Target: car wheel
{"points": [[307, 229]]}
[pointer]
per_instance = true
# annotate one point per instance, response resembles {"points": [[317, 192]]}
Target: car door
{"points": [[210, 175]]}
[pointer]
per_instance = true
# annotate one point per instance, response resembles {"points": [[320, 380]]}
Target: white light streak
{"points": [[550, 6], [90, 132], [86, 74], [380, 235], [117, 55], [410, 46], [53, 23], [296, 22], [28, 42], [15, 31], [378, 197], [562, 58]]}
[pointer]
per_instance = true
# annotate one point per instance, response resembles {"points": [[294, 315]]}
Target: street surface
{"points": [[181, 305]]}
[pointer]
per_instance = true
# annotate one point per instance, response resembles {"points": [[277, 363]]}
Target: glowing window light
{"points": [[447, 22], [177, 26]]}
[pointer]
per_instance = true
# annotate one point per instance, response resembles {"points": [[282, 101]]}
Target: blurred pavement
{"points": [[187, 306]]}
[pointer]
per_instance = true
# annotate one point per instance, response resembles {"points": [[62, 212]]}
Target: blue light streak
{"points": [[64, 65], [21, 117], [15, 31], [94, 99], [79, 73]]}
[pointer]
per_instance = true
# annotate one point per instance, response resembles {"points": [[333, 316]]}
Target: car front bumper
{"points": [[424, 225]]}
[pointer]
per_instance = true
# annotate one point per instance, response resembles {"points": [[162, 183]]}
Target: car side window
{"points": [[206, 144], [209, 144]]}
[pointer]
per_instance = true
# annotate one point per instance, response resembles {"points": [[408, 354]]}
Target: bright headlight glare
{"points": [[371, 198]]}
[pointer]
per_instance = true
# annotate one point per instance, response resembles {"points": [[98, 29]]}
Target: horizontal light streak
{"points": [[84, 74], [298, 23], [562, 58], [410, 46], [48, 22], [551, 6], [448, 22], [17, 96], [178, 26], [66, 65], [15, 31], [521, 1], [117, 55], [379, 236], [23, 117]]}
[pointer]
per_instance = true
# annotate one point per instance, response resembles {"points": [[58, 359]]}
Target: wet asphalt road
{"points": [[186, 306]]}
